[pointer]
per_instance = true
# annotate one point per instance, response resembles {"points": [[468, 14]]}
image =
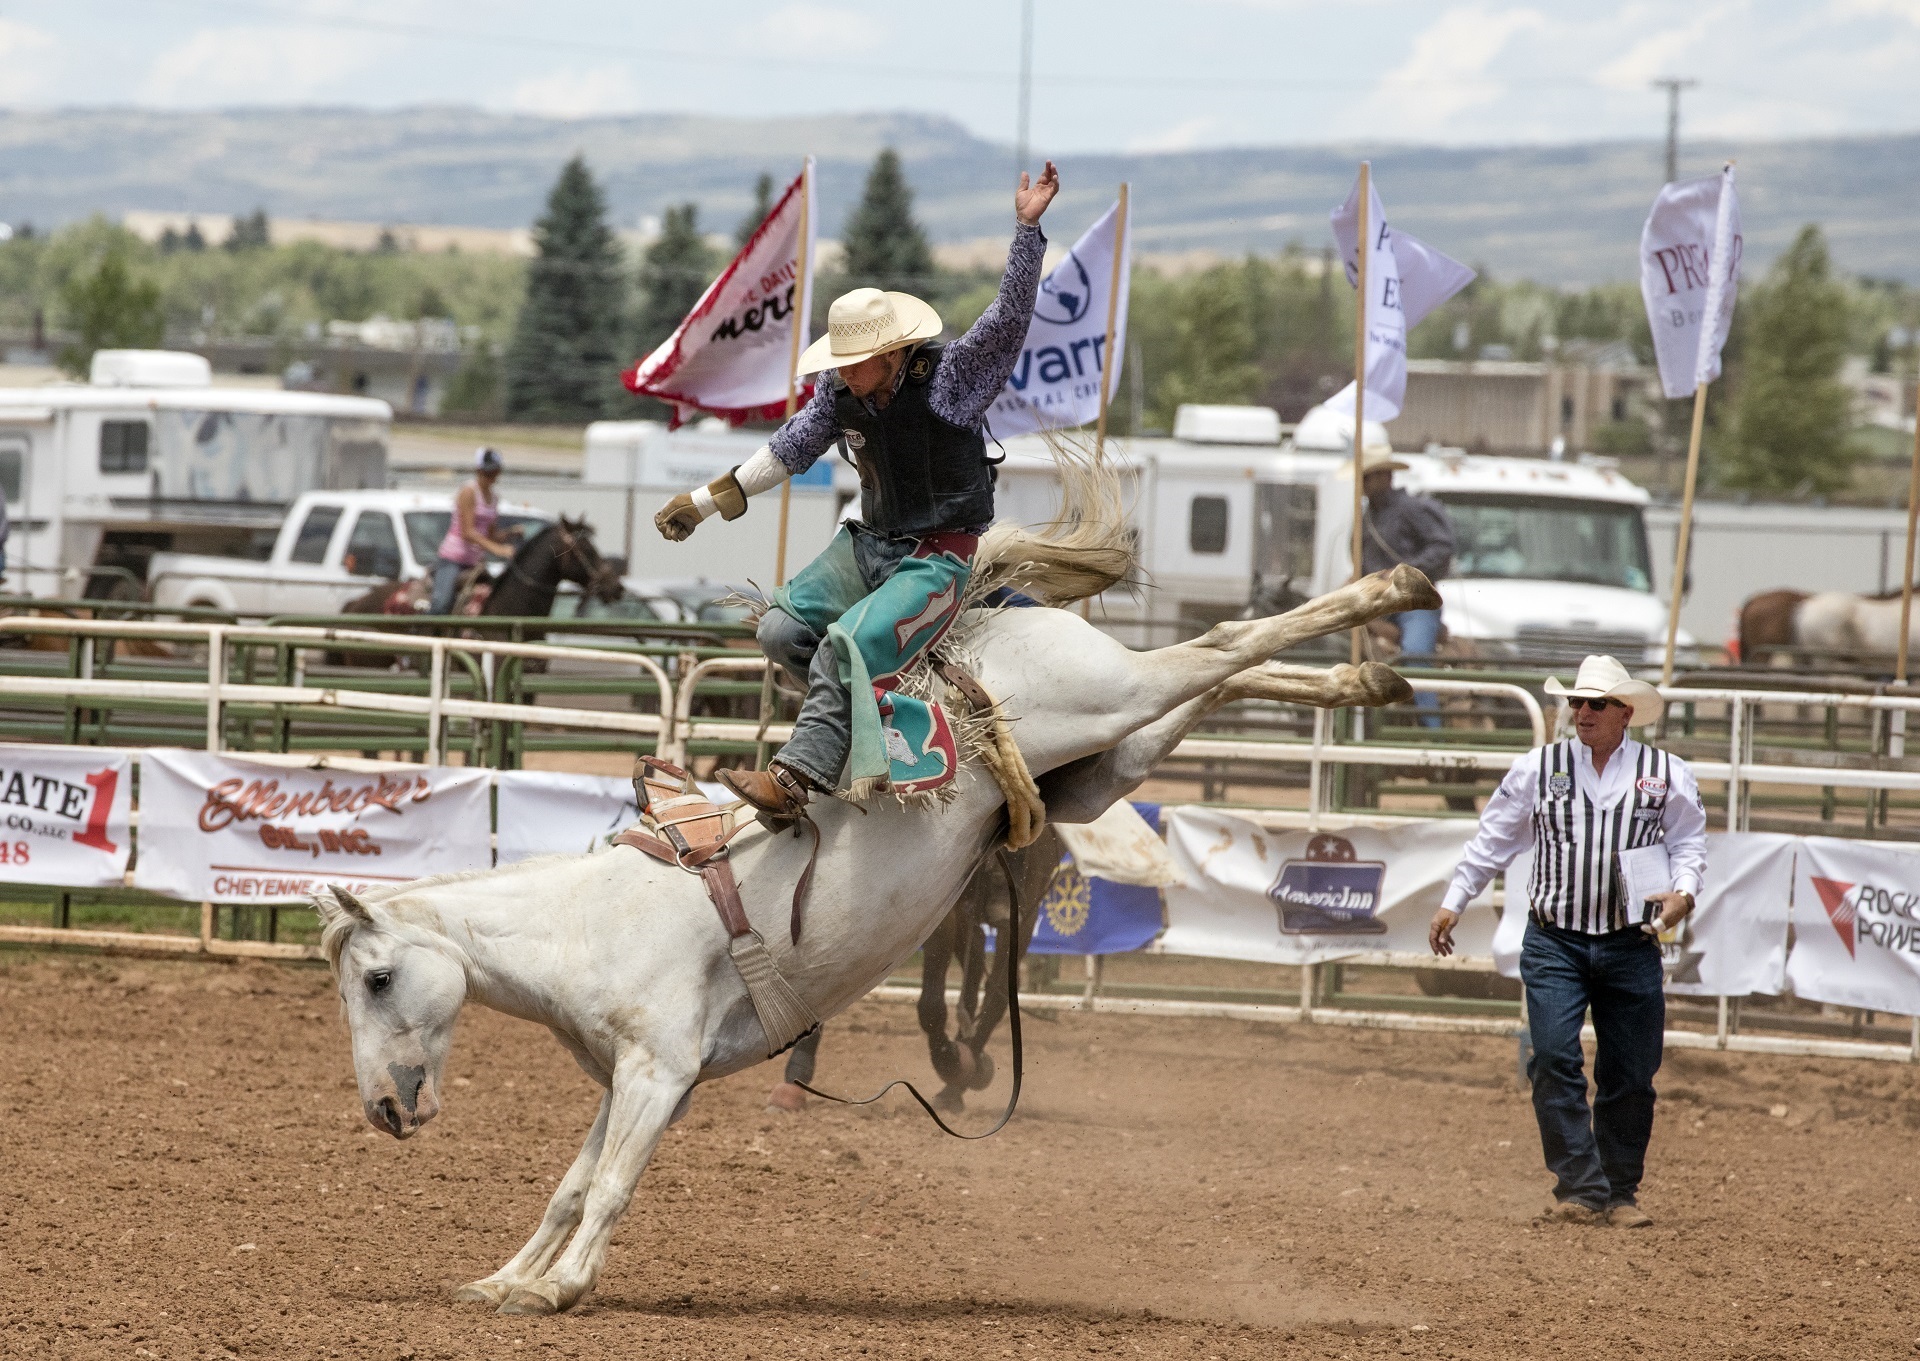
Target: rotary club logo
{"points": [[1068, 902]]}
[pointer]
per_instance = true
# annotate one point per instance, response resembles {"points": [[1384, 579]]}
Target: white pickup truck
{"points": [[332, 548]]}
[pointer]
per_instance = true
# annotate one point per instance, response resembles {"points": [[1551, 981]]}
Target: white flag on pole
{"points": [[1406, 279], [732, 355], [1056, 382], [1690, 270]]}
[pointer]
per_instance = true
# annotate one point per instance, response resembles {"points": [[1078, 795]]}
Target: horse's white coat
{"points": [[624, 959], [1839, 622]]}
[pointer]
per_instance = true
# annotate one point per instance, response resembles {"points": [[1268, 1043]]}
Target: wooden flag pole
{"points": [[1906, 577], [1113, 316], [1686, 529], [800, 300], [1360, 387], [801, 292]]}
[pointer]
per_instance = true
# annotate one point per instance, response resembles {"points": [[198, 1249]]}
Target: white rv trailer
{"points": [[150, 456], [1552, 559]]}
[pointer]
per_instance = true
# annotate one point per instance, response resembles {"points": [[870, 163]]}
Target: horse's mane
{"points": [[1087, 549]]}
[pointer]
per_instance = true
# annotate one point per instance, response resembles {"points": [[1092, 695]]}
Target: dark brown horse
{"points": [[960, 1058]]}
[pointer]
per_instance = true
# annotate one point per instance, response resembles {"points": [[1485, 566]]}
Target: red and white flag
{"points": [[733, 355]]}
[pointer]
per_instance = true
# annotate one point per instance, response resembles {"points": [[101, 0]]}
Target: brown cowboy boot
{"points": [[778, 792]]}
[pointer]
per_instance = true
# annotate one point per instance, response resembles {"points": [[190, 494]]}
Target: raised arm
{"points": [[975, 367]]}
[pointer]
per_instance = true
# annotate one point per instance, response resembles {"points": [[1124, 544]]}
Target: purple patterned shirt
{"points": [[972, 369]]}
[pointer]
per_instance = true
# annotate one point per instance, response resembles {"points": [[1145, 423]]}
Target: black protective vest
{"points": [[918, 472]]}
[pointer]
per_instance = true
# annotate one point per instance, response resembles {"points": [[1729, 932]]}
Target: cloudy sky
{"points": [[1108, 74]]}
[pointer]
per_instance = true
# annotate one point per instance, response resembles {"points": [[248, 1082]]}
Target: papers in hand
{"points": [[1644, 872]]}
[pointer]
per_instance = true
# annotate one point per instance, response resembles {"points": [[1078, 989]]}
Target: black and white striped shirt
{"points": [[1576, 820]]}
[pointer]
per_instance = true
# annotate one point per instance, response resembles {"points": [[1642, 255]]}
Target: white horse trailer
{"points": [[149, 456], [1553, 558]]}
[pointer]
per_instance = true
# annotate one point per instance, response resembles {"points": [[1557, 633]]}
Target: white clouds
{"points": [[1874, 9], [577, 93], [1657, 54], [815, 30], [253, 65], [31, 60], [1182, 136], [1446, 72]]}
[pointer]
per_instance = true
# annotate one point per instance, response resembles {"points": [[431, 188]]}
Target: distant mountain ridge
{"points": [[1559, 214]]}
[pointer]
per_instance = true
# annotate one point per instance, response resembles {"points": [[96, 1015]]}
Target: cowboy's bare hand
{"points": [[1674, 908], [1033, 196], [678, 518], [1440, 933]]}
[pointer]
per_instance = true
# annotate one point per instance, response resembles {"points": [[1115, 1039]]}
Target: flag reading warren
{"points": [[733, 355], [1689, 271], [1056, 384]]}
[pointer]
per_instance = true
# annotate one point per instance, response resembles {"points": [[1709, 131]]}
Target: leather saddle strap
{"points": [[806, 878], [956, 675]]}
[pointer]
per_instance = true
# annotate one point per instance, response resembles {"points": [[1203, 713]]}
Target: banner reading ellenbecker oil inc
{"points": [[64, 816], [224, 829]]}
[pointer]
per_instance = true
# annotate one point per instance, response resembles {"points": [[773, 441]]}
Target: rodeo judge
{"points": [[1580, 805], [910, 412]]}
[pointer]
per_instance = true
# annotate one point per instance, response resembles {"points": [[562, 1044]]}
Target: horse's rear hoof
{"points": [[480, 1292], [981, 1077], [950, 1100], [787, 1099], [528, 1299]]}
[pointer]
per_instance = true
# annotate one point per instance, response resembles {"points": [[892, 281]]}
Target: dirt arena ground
{"points": [[187, 1174]]}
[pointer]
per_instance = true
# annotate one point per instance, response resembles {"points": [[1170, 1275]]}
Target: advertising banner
{"points": [[1689, 276], [1287, 897], [229, 830], [549, 812], [64, 816], [1856, 925], [1086, 913]]}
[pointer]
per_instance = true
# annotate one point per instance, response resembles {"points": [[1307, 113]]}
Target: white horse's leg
{"points": [[1086, 789], [563, 1213], [640, 1107]]}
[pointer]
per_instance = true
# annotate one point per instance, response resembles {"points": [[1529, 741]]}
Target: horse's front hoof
{"points": [[981, 1077], [537, 1298], [481, 1292]]}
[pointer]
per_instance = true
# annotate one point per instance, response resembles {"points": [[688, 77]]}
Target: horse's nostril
{"points": [[389, 1114]]}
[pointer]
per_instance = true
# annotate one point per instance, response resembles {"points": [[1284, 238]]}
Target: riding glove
{"points": [[726, 495]]}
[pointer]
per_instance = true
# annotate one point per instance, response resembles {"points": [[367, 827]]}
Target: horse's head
{"points": [[580, 561], [401, 996]]}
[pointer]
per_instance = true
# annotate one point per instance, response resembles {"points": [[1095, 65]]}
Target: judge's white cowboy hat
{"points": [[867, 322], [1374, 457], [1604, 678]]}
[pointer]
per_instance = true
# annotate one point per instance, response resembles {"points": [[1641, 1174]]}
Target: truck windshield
{"points": [[426, 528], [1545, 538]]}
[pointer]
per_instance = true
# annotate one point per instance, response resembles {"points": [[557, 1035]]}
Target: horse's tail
{"points": [[1087, 549]]}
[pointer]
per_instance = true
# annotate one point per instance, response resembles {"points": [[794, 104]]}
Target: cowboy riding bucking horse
{"points": [[910, 414]]}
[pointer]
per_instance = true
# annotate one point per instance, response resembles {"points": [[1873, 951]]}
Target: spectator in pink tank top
{"points": [[470, 535]]}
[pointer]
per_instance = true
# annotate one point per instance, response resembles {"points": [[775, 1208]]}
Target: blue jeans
{"points": [[446, 584], [1419, 634], [1596, 1157]]}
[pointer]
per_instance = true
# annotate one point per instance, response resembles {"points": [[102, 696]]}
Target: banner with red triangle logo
{"points": [[1856, 924]]}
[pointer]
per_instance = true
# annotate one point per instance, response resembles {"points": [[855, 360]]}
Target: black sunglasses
{"points": [[1577, 703]]}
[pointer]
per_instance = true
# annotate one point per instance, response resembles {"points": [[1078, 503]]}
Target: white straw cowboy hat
{"points": [[1374, 457], [867, 322], [1604, 678]]}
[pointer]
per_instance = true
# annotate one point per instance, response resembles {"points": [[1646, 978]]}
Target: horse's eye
{"points": [[379, 979]]}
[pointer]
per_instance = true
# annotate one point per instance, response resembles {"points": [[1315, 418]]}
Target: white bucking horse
{"points": [[626, 962]]}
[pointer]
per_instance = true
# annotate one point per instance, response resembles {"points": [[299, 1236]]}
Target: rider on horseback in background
{"points": [[912, 413]]}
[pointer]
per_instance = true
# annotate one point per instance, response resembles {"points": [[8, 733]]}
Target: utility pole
{"points": [[1673, 86], [1026, 87]]}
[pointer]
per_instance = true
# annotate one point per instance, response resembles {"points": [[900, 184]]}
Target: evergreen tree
{"points": [[676, 270], [1790, 410], [109, 309], [563, 363], [762, 204], [885, 246], [250, 233], [474, 389]]}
